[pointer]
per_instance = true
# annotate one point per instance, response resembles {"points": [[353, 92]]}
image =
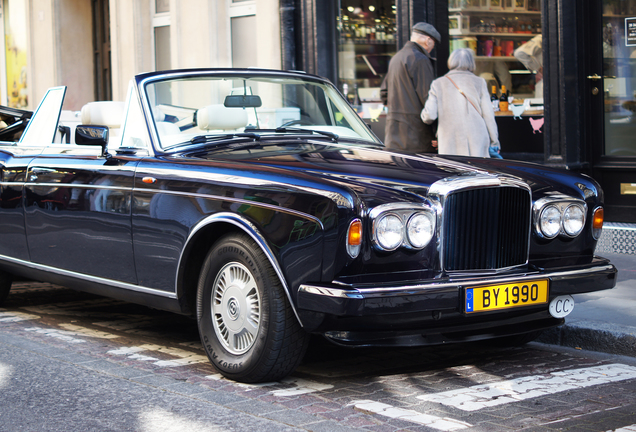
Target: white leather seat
{"points": [[103, 113], [219, 117]]}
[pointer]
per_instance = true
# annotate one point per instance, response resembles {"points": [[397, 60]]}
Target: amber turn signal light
{"points": [[597, 222], [354, 238], [355, 233]]}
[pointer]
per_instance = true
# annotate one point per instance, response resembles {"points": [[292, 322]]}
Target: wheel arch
{"points": [[202, 236]]}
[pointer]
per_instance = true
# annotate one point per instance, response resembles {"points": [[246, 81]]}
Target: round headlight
{"points": [[420, 229], [573, 220], [389, 231], [550, 221]]}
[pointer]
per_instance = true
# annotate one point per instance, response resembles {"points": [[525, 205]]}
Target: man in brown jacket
{"points": [[405, 89]]}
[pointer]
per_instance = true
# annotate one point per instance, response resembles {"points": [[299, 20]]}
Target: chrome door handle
{"points": [[594, 77]]}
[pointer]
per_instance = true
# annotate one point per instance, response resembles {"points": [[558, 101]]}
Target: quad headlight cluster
{"points": [[556, 216], [402, 225]]}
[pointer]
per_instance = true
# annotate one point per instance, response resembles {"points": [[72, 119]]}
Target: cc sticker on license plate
{"points": [[505, 296]]}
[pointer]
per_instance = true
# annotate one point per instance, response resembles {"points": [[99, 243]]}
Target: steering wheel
{"points": [[300, 122]]}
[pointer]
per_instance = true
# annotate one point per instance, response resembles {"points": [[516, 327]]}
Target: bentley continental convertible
{"points": [[259, 203]]}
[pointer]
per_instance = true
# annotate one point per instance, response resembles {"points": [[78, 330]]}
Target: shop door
{"points": [[611, 92]]}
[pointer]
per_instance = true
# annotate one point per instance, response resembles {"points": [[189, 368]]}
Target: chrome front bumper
{"points": [[342, 300]]}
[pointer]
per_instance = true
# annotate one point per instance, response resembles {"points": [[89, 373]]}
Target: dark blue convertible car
{"points": [[259, 203]]}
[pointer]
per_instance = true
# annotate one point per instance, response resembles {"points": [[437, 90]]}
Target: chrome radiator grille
{"points": [[486, 229]]}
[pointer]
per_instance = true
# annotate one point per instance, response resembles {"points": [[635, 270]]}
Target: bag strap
{"points": [[463, 94]]}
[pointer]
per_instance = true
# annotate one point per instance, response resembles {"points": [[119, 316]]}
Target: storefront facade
{"points": [[583, 117], [580, 99]]}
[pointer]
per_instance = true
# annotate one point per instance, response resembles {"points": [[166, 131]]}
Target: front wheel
{"points": [[247, 326]]}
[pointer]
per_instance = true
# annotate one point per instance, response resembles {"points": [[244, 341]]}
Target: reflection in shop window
{"points": [[619, 77], [366, 44]]}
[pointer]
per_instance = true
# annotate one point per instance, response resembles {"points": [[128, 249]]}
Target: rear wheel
{"points": [[247, 326], [5, 286]]}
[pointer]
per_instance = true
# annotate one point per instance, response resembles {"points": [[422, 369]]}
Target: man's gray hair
{"points": [[462, 59]]}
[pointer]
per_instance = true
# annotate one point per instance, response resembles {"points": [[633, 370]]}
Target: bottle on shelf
{"points": [[356, 96], [503, 100], [494, 100]]}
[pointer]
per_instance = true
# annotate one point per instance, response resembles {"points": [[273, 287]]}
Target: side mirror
{"points": [[92, 135]]}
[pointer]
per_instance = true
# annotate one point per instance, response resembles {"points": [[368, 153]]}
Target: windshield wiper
{"points": [[200, 139], [331, 135]]}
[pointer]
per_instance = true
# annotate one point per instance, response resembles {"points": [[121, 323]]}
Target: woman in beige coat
{"points": [[461, 102]]}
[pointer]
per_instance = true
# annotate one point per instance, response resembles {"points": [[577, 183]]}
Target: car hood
{"points": [[377, 175]]}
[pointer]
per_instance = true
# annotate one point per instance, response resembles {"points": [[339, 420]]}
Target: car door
{"points": [[78, 211], [77, 201], [14, 161], [15, 158]]}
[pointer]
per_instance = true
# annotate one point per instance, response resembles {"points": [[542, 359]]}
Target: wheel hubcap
{"points": [[233, 309], [236, 308]]}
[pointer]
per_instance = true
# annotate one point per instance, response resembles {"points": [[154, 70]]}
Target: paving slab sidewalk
{"points": [[604, 321]]}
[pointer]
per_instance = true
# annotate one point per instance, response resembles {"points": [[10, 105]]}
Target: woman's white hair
{"points": [[462, 59]]}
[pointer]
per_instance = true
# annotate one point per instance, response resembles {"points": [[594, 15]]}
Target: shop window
{"points": [[494, 30], [367, 41], [506, 38], [619, 78]]}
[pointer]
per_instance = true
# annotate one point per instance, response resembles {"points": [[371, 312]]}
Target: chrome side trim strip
{"points": [[89, 278], [76, 186], [218, 178], [253, 232], [366, 293], [235, 200]]}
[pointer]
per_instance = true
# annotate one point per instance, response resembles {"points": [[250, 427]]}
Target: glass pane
{"points": [[185, 108], [162, 48], [506, 39], [507, 45], [366, 44], [619, 78], [135, 133], [43, 125], [243, 41], [162, 6]]}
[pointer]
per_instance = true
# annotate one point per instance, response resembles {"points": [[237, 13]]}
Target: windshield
{"points": [[186, 108]]}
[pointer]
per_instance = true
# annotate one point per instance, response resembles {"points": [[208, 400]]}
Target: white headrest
{"points": [[215, 117], [158, 114], [104, 113]]}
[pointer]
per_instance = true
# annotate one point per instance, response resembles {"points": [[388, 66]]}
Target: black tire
{"points": [[246, 324], [5, 286]]}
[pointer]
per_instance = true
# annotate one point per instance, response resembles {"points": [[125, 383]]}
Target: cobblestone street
{"points": [[464, 387]]}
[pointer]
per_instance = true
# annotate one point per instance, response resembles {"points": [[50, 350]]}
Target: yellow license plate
{"points": [[506, 296]]}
